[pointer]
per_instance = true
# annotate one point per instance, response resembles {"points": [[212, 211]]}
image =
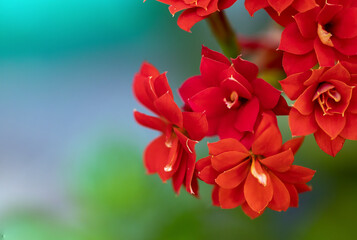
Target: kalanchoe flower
{"points": [[324, 35], [257, 179], [326, 105], [280, 10], [195, 10], [172, 154], [231, 95]]}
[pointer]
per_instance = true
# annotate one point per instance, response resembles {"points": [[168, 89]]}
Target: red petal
{"points": [[325, 54], [211, 70], [345, 24], [307, 23], [346, 46], [280, 5], [188, 18], [268, 137], [353, 102], [215, 196], [227, 160], [190, 87], [156, 155], [148, 70], [202, 163], [330, 124], [293, 42], [225, 145], [209, 101], [304, 5], [280, 162], [254, 5], [293, 85], [306, 62], [225, 129], [302, 187], [179, 176], [281, 196], [328, 12], [231, 198], [267, 94], [301, 125], [331, 147], [195, 124], [350, 130], [294, 196], [247, 69], [233, 177], [223, 4], [167, 108], [296, 174], [304, 104], [250, 212], [247, 116], [282, 108], [293, 144], [162, 86], [139, 88], [149, 121], [336, 72], [216, 56], [208, 175], [257, 195]]}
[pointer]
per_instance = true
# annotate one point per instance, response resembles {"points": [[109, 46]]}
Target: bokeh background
{"points": [[70, 151]]}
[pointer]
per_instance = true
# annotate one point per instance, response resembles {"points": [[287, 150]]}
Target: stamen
{"points": [[324, 36]]}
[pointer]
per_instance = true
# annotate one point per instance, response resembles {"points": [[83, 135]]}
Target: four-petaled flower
{"points": [[326, 105], [257, 179], [231, 95], [171, 155], [324, 35]]}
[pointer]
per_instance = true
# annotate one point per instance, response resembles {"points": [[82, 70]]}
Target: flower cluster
{"points": [[249, 166]]}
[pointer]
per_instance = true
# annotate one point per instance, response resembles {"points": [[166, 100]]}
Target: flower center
{"points": [[324, 35], [257, 170], [325, 95], [232, 101]]}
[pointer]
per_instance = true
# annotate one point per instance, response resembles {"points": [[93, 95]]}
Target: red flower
{"points": [[324, 34], [172, 154], [231, 95], [257, 179], [195, 10], [280, 7], [326, 105]]}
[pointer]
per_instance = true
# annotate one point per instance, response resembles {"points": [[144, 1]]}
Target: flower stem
{"points": [[224, 34]]}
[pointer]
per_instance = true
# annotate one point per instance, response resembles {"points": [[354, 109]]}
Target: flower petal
{"points": [[293, 42], [294, 196], [346, 46], [296, 174], [210, 101], [156, 155], [225, 145], [293, 144], [247, 115], [307, 23], [247, 69], [195, 123], [281, 196], [293, 85], [227, 160], [330, 124], [305, 61], [350, 130], [250, 212], [190, 87], [280, 162], [231, 198], [149, 121], [325, 54], [268, 95], [188, 18], [233, 177], [254, 5], [208, 175], [257, 195], [331, 147], [280, 5], [301, 125], [304, 104]]}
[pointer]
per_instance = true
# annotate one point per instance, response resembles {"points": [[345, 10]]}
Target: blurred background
{"points": [[71, 154]]}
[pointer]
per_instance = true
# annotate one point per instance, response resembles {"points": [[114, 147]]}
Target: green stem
{"points": [[224, 34]]}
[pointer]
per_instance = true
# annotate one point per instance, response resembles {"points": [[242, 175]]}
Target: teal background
{"points": [[70, 151]]}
